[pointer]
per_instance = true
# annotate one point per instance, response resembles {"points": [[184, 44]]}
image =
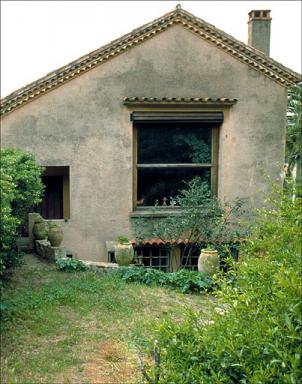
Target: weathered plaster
{"points": [[84, 124]]}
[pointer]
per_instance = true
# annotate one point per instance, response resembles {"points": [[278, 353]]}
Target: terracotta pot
{"points": [[55, 235], [124, 254], [40, 229], [208, 261]]}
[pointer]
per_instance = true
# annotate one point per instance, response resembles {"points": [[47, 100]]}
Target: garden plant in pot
{"points": [[55, 234], [40, 228], [124, 252]]}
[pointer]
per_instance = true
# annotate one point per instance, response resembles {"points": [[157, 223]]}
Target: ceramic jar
{"points": [[208, 261], [124, 254], [55, 235], [40, 229]]}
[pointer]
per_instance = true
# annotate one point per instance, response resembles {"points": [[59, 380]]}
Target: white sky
{"points": [[38, 37]]}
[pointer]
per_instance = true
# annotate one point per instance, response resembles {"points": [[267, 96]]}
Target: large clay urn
{"points": [[40, 228], [208, 261], [124, 253], [55, 235]]}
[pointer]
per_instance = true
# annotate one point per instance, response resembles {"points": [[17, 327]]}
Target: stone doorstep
{"points": [[22, 243]]}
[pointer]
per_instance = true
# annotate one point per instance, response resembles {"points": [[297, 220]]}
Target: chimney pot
{"points": [[259, 30]]}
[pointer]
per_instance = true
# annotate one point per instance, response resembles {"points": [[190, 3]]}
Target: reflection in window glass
{"points": [[174, 143], [158, 186]]}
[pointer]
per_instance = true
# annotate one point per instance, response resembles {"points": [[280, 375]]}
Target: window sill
{"points": [[155, 212], [58, 220]]}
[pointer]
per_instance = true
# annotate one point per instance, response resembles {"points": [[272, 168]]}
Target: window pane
{"points": [[174, 143], [157, 185]]}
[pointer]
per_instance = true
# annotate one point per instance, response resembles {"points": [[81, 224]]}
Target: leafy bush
{"points": [[201, 219], [184, 280], [70, 265], [293, 149], [257, 338], [21, 188]]}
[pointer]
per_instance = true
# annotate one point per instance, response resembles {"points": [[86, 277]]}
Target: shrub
{"points": [[21, 188], [201, 219], [183, 280], [70, 265], [257, 339]]}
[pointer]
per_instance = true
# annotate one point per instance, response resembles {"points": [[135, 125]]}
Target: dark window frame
{"points": [[141, 118]]}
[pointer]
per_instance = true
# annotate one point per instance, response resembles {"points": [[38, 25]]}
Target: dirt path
{"points": [[113, 363]]}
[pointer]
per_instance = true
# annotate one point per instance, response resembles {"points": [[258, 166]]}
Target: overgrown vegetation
{"points": [[21, 188], [182, 280], [66, 264], [294, 133], [58, 327], [200, 219], [257, 337]]}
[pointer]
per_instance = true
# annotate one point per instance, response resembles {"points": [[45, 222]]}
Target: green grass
{"points": [[54, 322]]}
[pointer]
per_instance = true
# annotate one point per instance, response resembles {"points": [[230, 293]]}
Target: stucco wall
{"points": [[84, 124]]}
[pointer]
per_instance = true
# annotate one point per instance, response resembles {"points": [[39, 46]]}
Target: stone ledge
{"points": [[99, 264], [102, 265], [45, 250]]}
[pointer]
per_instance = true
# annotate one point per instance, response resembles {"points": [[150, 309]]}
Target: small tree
{"points": [[21, 188], [199, 219]]}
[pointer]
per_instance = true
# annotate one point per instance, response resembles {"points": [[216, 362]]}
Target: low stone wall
{"points": [[45, 250], [95, 265]]}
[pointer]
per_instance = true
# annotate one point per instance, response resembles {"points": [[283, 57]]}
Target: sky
{"points": [[38, 37]]}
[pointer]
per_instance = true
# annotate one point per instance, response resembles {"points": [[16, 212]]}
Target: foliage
{"points": [[26, 176], [294, 131], [21, 188], [199, 218], [123, 240], [67, 264], [257, 338], [199, 151], [55, 322], [184, 280], [294, 124]]}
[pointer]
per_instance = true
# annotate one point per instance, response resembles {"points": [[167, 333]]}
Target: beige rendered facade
{"points": [[84, 123]]}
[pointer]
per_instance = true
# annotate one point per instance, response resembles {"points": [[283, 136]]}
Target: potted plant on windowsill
{"points": [[124, 252]]}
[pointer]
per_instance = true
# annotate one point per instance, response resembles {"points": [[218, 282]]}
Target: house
{"points": [[117, 129]]}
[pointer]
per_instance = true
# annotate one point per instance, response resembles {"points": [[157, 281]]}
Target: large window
{"points": [[169, 153]]}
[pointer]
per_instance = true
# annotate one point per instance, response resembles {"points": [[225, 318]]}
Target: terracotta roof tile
{"points": [[160, 242], [249, 55], [178, 100]]}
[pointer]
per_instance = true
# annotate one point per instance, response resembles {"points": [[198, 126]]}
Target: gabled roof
{"points": [[244, 53]]}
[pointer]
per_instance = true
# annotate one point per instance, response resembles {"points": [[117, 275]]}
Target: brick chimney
{"points": [[259, 30]]}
